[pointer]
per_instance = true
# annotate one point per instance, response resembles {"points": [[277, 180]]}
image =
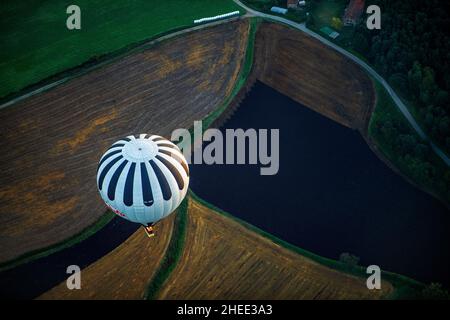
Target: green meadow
{"points": [[35, 43]]}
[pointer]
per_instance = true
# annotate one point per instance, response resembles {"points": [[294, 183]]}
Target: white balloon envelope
{"points": [[143, 179]]}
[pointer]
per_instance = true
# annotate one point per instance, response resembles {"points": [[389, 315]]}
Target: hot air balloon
{"points": [[143, 179]]}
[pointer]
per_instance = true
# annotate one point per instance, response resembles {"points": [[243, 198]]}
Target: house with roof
{"points": [[295, 4], [353, 12]]}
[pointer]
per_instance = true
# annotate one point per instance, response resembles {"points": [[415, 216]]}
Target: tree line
{"points": [[412, 51]]}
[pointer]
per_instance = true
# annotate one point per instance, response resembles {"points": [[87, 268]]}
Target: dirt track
{"points": [[304, 69], [51, 142], [224, 260]]}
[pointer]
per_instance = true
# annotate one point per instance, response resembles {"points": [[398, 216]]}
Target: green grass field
{"points": [[35, 43], [173, 253]]}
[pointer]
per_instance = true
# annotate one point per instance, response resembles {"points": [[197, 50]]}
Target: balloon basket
{"points": [[149, 231]]}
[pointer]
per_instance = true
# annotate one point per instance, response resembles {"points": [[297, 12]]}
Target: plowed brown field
{"points": [[304, 69], [51, 142]]}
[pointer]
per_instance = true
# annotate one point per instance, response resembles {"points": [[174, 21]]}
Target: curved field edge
{"points": [[404, 287], [69, 242], [97, 19], [243, 75], [436, 183], [65, 243], [176, 245], [431, 174]]}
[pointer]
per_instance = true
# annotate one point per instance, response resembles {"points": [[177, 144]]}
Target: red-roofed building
{"points": [[292, 4], [353, 12], [295, 4]]}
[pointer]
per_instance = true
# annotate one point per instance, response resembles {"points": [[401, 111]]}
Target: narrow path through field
{"points": [[398, 102]]}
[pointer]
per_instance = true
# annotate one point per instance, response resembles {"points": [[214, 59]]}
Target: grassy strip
{"points": [[43, 252], [240, 82], [243, 75], [173, 252], [176, 245], [405, 288]]}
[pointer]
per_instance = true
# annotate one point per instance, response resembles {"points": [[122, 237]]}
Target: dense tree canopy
{"points": [[412, 51]]}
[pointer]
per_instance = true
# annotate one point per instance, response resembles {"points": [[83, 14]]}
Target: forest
{"points": [[411, 51]]}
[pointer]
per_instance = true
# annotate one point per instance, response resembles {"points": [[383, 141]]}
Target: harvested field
{"points": [[125, 272], [51, 142], [224, 260], [304, 69]]}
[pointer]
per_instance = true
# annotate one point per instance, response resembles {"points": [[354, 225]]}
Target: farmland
{"points": [[36, 43], [305, 70], [50, 159], [113, 276], [51, 142], [223, 259]]}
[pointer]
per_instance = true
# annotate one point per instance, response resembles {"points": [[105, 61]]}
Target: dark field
{"points": [[331, 194], [224, 260]]}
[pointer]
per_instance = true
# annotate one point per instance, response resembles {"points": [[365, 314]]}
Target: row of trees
{"points": [[412, 51]]}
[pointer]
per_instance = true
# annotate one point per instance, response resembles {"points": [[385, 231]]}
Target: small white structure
{"points": [[334, 35], [302, 3], [279, 10], [218, 17]]}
